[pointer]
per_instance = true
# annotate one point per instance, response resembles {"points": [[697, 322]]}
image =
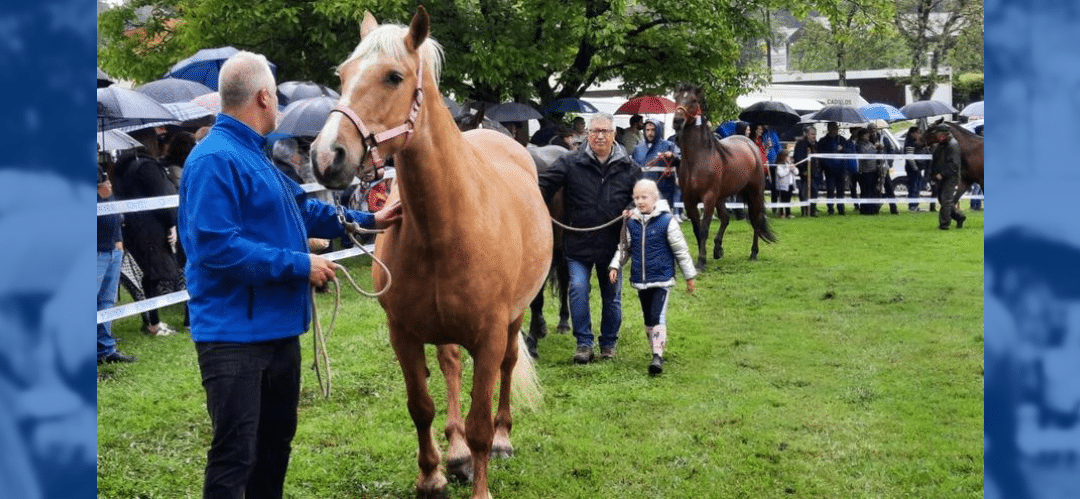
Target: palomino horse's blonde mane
{"points": [[388, 40]]}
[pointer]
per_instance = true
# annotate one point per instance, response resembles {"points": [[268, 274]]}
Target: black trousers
{"points": [[252, 393]]}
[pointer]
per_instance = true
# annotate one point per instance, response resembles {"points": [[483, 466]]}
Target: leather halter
{"points": [[372, 140]]}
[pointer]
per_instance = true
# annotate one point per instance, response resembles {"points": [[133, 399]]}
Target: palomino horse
{"points": [[472, 249], [971, 157], [543, 157], [713, 169]]}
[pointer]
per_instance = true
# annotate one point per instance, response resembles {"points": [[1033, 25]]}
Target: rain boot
{"points": [[658, 340]]}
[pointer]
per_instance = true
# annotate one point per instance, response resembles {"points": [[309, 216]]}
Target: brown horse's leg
{"points": [[725, 218], [431, 483], [458, 463], [690, 205], [479, 428], [504, 421]]}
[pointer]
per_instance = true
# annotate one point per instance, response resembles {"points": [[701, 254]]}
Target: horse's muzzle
{"points": [[677, 122]]}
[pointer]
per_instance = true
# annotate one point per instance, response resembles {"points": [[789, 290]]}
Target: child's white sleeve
{"points": [[681, 250]]}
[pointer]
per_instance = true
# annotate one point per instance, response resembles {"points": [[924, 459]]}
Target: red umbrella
{"points": [[647, 104]]}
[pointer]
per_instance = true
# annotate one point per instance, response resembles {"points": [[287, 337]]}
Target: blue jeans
{"points": [[252, 394], [108, 283], [610, 300]]}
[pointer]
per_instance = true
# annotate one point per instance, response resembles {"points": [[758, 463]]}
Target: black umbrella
{"points": [[119, 107], [925, 108], [770, 112], [570, 105], [292, 91], [838, 113], [454, 108], [204, 66], [103, 80], [115, 140], [306, 117], [512, 111], [168, 90]]}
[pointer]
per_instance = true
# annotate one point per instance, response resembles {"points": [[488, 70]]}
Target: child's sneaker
{"points": [[657, 365]]}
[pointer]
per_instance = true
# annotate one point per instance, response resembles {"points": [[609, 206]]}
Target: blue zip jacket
{"points": [[244, 226], [654, 243]]}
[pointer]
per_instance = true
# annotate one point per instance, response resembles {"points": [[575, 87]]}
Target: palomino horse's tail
{"points": [[525, 388]]}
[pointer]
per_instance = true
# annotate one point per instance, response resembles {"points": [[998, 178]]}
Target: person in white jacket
{"points": [[651, 238]]}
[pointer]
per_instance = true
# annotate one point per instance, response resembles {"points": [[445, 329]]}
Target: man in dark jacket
{"points": [[836, 170], [946, 171], [598, 182], [806, 146]]}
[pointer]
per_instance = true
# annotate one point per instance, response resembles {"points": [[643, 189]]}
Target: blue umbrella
{"points": [[727, 128], [306, 117], [882, 111], [570, 105], [293, 91], [168, 90], [205, 65]]}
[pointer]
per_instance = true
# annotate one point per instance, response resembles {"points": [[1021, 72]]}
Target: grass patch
{"points": [[846, 363]]}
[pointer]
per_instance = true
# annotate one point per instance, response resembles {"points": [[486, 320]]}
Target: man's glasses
{"points": [[601, 131]]}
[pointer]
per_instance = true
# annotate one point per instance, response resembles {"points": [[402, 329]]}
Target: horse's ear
{"points": [[418, 29], [368, 24]]}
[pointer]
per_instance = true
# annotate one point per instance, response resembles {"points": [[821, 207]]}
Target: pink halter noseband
{"points": [[372, 140]]}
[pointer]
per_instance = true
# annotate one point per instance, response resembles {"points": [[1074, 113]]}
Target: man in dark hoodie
{"points": [[598, 181]]}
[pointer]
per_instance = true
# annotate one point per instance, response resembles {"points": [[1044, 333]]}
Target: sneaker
{"points": [[584, 354], [657, 365], [114, 358], [607, 353], [163, 329]]}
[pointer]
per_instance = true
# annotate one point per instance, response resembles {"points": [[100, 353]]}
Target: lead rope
{"points": [[319, 343], [587, 229]]}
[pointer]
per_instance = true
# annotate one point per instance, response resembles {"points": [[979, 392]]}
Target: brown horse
{"points": [[471, 251], [971, 156], [713, 169]]}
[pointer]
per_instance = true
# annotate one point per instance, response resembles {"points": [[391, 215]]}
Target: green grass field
{"points": [[845, 363]]}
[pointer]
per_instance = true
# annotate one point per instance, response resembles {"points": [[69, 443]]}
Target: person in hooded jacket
{"points": [[655, 152], [653, 241], [598, 181]]}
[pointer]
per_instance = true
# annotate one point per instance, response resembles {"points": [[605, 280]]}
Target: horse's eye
{"points": [[394, 78]]}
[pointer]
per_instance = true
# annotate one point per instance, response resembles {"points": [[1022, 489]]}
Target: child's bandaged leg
{"points": [[658, 339]]}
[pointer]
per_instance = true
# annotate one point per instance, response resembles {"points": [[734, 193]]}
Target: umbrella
{"points": [[103, 80], [173, 90], [647, 104], [512, 111], [305, 117], [838, 113], [187, 111], [296, 90], [452, 105], [570, 105], [924, 108], [204, 66], [882, 111], [119, 107], [211, 101], [770, 112], [973, 110], [115, 140]]}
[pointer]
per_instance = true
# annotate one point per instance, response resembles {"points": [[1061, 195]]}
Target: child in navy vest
{"points": [[652, 240]]}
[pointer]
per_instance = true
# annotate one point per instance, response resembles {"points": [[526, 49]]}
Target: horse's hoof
{"points": [[564, 327], [442, 493], [717, 254], [530, 346], [502, 452], [460, 470], [538, 331]]}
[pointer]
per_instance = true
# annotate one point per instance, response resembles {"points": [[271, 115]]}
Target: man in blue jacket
{"points": [[655, 152], [245, 227], [836, 170]]}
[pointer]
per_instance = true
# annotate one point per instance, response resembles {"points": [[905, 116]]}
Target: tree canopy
{"points": [[496, 50]]}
